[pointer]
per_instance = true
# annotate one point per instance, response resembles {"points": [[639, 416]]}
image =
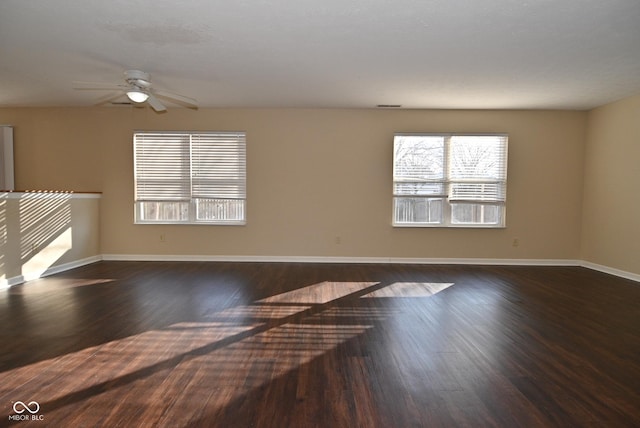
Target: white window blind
{"points": [[183, 177], [450, 180]]}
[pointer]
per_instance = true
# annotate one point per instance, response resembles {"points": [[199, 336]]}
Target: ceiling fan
{"points": [[139, 90]]}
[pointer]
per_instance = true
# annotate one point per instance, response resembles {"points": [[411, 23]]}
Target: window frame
{"points": [[446, 220], [192, 199]]}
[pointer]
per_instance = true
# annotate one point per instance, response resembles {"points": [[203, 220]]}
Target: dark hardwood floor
{"points": [[126, 344]]}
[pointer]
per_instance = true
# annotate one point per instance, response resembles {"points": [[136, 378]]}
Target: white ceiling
{"points": [[559, 54]]}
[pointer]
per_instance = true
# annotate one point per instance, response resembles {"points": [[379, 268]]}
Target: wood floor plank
{"points": [[190, 344]]}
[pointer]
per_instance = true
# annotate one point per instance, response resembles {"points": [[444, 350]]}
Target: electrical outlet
{"points": [[516, 242], [338, 240], [163, 237]]}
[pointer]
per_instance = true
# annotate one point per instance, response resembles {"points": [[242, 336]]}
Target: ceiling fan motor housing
{"points": [[138, 78]]}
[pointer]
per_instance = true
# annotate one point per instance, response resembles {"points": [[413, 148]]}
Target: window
{"points": [[447, 180], [191, 178]]}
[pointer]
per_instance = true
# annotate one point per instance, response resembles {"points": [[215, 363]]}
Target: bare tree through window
{"points": [[449, 180]]}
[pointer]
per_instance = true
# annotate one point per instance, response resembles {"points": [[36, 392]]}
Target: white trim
{"points": [[50, 195], [71, 265], [321, 259], [86, 195], [372, 260], [27, 276], [611, 271], [4, 284], [7, 178], [7, 283]]}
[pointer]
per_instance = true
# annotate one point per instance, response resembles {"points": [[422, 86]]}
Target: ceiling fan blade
{"points": [[177, 99], [97, 86], [108, 98], [155, 103]]}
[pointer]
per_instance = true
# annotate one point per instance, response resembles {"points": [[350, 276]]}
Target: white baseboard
{"points": [[10, 282], [611, 271], [370, 260], [29, 276], [354, 260], [72, 265], [312, 259]]}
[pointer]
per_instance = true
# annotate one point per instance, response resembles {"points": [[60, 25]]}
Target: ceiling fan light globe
{"points": [[137, 96]]}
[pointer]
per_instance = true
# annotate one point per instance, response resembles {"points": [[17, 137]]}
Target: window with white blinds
{"points": [[448, 180], [190, 177]]}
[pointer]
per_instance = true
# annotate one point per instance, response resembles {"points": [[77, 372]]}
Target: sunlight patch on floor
{"points": [[53, 285], [319, 293], [410, 289], [243, 347]]}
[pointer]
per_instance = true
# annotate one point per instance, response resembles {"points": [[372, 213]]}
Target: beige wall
{"points": [[611, 228], [314, 175]]}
